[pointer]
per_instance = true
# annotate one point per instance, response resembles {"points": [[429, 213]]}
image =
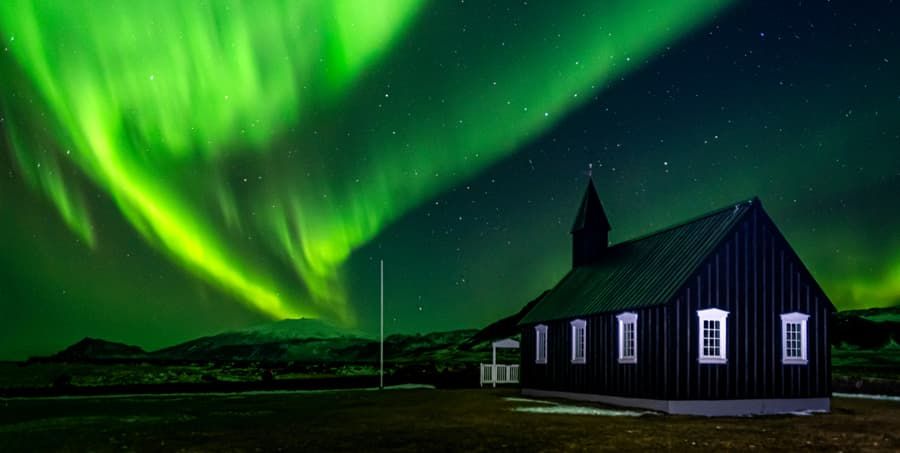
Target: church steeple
{"points": [[590, 233]]}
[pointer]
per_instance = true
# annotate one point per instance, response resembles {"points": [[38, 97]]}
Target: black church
{"points": [[713, 316]]}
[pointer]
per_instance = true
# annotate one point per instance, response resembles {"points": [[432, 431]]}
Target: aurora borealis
{"points": [[172, 169]]}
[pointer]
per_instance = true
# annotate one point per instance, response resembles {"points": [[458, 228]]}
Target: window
{"points": [[579, 341], [540, 335], [712, 337], [793, 338], [627, 337]]}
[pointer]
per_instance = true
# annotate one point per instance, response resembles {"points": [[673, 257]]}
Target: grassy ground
{"points": [[414, 420], [881, 363], [865, 370], [37, 375]]}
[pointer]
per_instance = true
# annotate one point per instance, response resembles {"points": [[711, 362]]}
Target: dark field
{"points": [[414, 420]]}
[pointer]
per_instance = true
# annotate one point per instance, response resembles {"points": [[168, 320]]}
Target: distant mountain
{"points": [[291, 329], [290, 340], [312, 341], [504, 328], [89, 349], [434, 347], [285, 340], [255, 345], [876, 314], [870, 328]]}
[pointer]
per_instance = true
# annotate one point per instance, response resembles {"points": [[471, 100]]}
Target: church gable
{"points": [[755, 278]]}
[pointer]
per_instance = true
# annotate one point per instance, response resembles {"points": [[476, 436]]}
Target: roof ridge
{"points": [[643, 271], [734, 205]]}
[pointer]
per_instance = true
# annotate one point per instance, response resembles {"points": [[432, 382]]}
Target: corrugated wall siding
{"points": [[756, 277], [602, 374]]}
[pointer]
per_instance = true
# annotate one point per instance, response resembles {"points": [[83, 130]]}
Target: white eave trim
{"points": [[627, 317], [794, 317], [713, 314], [507, 343]]}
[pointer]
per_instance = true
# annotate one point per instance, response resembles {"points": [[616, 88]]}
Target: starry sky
{"points": [[173, 169]]}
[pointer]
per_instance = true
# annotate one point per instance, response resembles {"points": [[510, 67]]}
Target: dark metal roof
{"points": [[590, 212], [641, 272]]}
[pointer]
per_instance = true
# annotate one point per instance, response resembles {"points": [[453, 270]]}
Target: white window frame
{"points": [[579, 324], [712, 314], [626, 319], [540, 342], [794, 318]]}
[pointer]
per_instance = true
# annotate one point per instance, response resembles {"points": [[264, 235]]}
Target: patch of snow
{"points": [[808, 412], [410, 387], [866, 396], [579, 410], [550, 407], [528, 400]]}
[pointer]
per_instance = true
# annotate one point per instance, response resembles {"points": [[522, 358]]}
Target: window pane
{"points": [[793, 342], [628, 340], [711, 338], [581, 342], [578, 338], [542, 345]]}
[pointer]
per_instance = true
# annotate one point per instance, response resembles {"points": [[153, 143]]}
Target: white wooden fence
{"points": [[499, 374]]}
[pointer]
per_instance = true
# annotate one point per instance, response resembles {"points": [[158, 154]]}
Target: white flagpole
{"points": [[381, 348]]}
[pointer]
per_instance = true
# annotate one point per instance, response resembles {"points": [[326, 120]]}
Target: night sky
{"points": [[173, 169]]}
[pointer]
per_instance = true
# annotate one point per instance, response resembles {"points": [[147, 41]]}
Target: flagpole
{"points": [[381, 348]]}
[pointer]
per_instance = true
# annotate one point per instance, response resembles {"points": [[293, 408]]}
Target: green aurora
{"points": [[255, 147], [135, 92]]}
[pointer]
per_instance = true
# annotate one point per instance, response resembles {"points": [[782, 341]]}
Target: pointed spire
{"points": [[590, 233], [591, 215]]}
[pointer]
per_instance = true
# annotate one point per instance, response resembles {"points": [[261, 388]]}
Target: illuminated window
{"points": [[627, 337], [540, 335], [793, 338], [712, 335], [579, 341]]}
